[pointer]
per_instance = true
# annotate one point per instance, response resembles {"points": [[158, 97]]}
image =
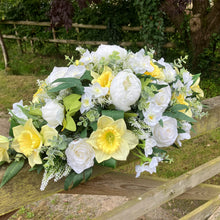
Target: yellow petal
{"points": [[48, 133], [4, 142], [121, 126], [131, 139], [122, 152], [101, 156], [104, 121], [34, 159]]}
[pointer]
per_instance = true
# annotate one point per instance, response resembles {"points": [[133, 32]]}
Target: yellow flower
{"points": [[4, 145], [181, 100], [112, 139], [195, 88], [28, 141], [156, 73], [105, 78], [38, 96], [47, 134]]}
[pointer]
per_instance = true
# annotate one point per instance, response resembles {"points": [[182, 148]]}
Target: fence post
{"points": [[18, 41], [4, 51]]}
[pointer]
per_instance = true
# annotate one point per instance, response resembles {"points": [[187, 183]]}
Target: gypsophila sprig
{"points": [[103, 106]]}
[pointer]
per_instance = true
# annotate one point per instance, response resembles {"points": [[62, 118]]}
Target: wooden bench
{"points": [[144, 194]]}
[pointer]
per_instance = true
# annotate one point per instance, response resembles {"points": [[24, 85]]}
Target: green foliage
{"points": [[151, 20], [12, 171]]}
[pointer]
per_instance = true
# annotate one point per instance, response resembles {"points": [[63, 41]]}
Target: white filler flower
{"points": [[53, 113], [166, 135], [125, 90], [80, 155]]}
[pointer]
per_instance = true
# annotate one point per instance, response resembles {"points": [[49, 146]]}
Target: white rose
{"points": [[125, 90], [53, 113], [166, 135], [17, 110], [104, 51], [75, 71], [80, 155], [163, 97], [58, 72], [139, 62], [169, 72]]}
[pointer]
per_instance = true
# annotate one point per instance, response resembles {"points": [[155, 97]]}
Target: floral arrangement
{"points": [[109, 103]]}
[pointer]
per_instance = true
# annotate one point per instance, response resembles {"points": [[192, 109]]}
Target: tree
{"points": [[204, 20]]}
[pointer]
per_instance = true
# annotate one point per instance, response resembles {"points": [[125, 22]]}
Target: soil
{"points": [[85, 207]]}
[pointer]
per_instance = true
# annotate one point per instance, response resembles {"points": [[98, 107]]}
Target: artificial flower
{"points": [[75, 71], [4, 146], [156, 73], [80, 155], [165, 135], [125, 90], [28, 141], [149, 144], [195, 88], [112, 139], [47, 134], [17, 110], [53, 113]]}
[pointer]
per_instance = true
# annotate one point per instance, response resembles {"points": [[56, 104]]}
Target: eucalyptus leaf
{"points": [[12, 170]]}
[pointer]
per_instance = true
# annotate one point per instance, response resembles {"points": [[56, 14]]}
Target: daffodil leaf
{"points": [[109, 163], [113, 114], [12, 171]]}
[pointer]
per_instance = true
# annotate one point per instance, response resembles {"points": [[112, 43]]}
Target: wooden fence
{"points": [[72, 41], [144, 194]]}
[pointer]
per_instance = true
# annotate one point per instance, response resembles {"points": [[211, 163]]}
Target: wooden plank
{"points": [[140, 205], [204, 211]]}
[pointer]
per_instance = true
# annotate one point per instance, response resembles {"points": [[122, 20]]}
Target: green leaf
{"points": [[157, 150], [161, 122], [87, 173], [180, 130], [37, 167], [12, 171], [73, 179], [178, 107], [2, 162], [83, 134], [93, 125], [115, 114], [73, 81], [179, 115], [86, 76], [109, 163]]}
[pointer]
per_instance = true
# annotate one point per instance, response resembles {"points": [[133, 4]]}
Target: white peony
{"points": [[166, 135], [125, 90], [169, 72], [80, 155], [75, 71], [53, 113], [17, 110], [162, 98], [58, 72], [104, 51], [139, 62]]}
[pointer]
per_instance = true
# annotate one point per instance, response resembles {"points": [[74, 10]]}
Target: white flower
{"points": [[75, 71], [86, 58], [139, 62], [152, 115], [87, 103], [53, 113], [149, 144], [163, 97], [80, 155], [151, 168], [125, 90], [169, 72], [166, 135], [104, 51], [98, 91], [58, 72], [178, 85], [17, 110], [186, 135]]}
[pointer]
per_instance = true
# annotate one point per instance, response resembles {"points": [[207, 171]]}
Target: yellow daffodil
{"points": [[28, 141], [47, 134], [156, 73], [181, 100], [105, 78], [4, 145], [112, 139], [38, 96], [195, 88]]}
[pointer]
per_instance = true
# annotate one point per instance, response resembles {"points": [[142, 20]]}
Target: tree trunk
{"points": [[4, 51]]}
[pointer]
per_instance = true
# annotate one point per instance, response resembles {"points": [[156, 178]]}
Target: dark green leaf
{"points": [[109, 163], [180, 130], [83, 134], [157, 150], [179, 115], [113, 114], [93, 125], [87, 173], [161, 122], [11, 171], [73, 179], [37, 167], [86, 76], [178, 107], [176, 146], [2, 162], [71, 80], [158, 86], [77, 179]]}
